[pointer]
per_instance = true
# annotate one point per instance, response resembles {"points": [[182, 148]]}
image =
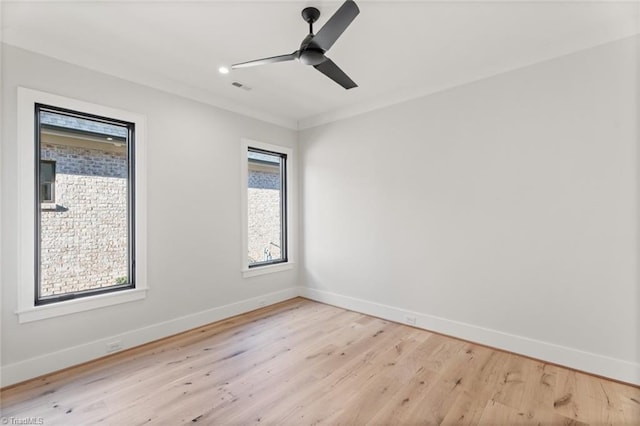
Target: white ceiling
{"points": [[394, 50]]}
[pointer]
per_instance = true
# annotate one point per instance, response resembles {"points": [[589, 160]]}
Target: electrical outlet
{"points": [[410, 320], [114, 346]]}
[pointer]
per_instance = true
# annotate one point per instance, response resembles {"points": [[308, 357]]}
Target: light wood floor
{"points": [[302, 363]]}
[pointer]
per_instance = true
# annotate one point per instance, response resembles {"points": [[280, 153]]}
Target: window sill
{"points": [[266, 269], [48, 206], [37, 313]]}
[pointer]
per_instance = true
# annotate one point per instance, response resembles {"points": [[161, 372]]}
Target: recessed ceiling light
{"points": [[223, 70]]}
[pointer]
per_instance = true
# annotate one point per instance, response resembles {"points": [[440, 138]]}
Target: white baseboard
{"points": [[51, 362], [601, 365]]}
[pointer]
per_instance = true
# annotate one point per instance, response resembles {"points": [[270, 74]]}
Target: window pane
{"points": [[46, 171], [46, 193], [84, 242], [266, 208]]}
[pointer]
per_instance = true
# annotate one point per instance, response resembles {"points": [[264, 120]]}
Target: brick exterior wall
{"points": [[264, 215], [84, 239]]}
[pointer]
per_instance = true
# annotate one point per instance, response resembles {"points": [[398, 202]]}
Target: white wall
{"points": [[503, 211], [194, 246]]}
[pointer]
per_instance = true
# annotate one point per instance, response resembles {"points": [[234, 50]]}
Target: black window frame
{"points": [[284, 256], [130, 144]]}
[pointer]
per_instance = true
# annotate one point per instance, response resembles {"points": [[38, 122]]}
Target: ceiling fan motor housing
{"points": [[311, 56]]}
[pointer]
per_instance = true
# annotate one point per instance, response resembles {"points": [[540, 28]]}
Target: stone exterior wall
{"points": [[84, 238], [264, 215]]}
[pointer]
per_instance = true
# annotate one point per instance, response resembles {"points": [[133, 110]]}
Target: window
{"points": [[47, 181], [266, 180], [82, 202], [267, 207], [84, 246]]}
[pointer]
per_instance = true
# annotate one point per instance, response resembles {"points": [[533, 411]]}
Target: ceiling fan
{"points": [[314, 46]]}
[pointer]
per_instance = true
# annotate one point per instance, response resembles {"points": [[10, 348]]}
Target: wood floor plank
{"points": [[496, 413], [301, 362], [375, 375], [578, 396], [466, 410], [381, 386], [328, 373]]}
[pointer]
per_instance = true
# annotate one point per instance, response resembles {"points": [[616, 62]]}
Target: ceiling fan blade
{"points": [[336, 25], [331, 70], [264, 61]]}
